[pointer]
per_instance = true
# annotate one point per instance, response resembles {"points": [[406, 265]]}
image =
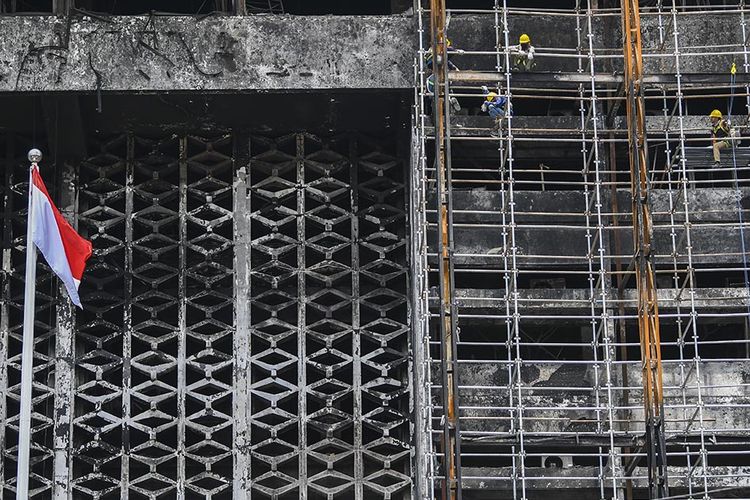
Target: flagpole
{"points": [[27, 353]]}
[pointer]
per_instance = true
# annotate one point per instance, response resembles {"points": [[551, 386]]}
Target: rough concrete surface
{"points": [[222, 53], [182, 53], [478, 32], [492, 301], [538, 241], [564, 397]]}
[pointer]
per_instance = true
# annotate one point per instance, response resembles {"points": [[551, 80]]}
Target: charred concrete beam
{"points": [[714, 227], [570, 80], [578, 300], [563, 398], [734, 478], [535, 126], [718, 379], [570, 126], [552, 247], [183, 53], [484, 205], [160, 53]]}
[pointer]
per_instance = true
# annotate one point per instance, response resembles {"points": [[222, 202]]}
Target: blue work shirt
{"points": [[498, 103]]}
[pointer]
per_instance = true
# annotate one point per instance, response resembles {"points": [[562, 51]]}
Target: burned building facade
{"points": [[286, 268]]}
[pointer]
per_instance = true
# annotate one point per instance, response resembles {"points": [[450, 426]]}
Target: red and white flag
{"points": [[65, 251]]}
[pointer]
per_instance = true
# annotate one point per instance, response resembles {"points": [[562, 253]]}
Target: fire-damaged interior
{"points": [[329, 265], [245, 320]]}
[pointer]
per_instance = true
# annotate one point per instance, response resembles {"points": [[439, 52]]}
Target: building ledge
{"points": [[186, 53]]}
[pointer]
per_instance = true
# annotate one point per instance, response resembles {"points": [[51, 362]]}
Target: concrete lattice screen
{"points": [[154, 347], [348, 430], [245, 325]]}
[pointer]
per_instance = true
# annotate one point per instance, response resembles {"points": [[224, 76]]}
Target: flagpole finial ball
{"points": [[35, 156]]}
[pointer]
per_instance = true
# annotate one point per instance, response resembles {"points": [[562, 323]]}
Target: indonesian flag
{"points": [[65, 251]]}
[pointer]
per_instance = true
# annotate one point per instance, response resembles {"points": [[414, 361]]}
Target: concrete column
{"points": [[242, 410], [64, 360], [401, 6], [60, 7]]}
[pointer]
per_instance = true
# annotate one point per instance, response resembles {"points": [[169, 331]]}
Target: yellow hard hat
{"points": [[491, 96], [715, 114], [524, 39]]}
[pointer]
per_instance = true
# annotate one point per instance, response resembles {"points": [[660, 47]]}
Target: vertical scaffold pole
{"points": [[451, 488], [648, 311]]}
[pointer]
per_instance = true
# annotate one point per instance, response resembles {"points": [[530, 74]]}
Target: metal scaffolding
{"points": [[532, 270]]}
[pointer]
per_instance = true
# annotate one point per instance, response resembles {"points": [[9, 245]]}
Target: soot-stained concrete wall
{"points": [[539, 242], [182, 53], [479, 32], [232, 53], [486, 385]]}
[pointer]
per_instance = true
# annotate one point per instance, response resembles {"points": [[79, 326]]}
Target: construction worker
{"points": [[494, 105], [431, 79], [523, 54], [720, 135], [455, 106], [450, 50]]}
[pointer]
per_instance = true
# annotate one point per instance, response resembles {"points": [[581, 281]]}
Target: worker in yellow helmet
{"points": [[720, 135], [495, 105], [523, 54], [428, 60], [449, 50]]}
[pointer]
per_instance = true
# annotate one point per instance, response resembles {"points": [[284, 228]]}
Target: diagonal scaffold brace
{"points": [[648, 310], [451, 442]]}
